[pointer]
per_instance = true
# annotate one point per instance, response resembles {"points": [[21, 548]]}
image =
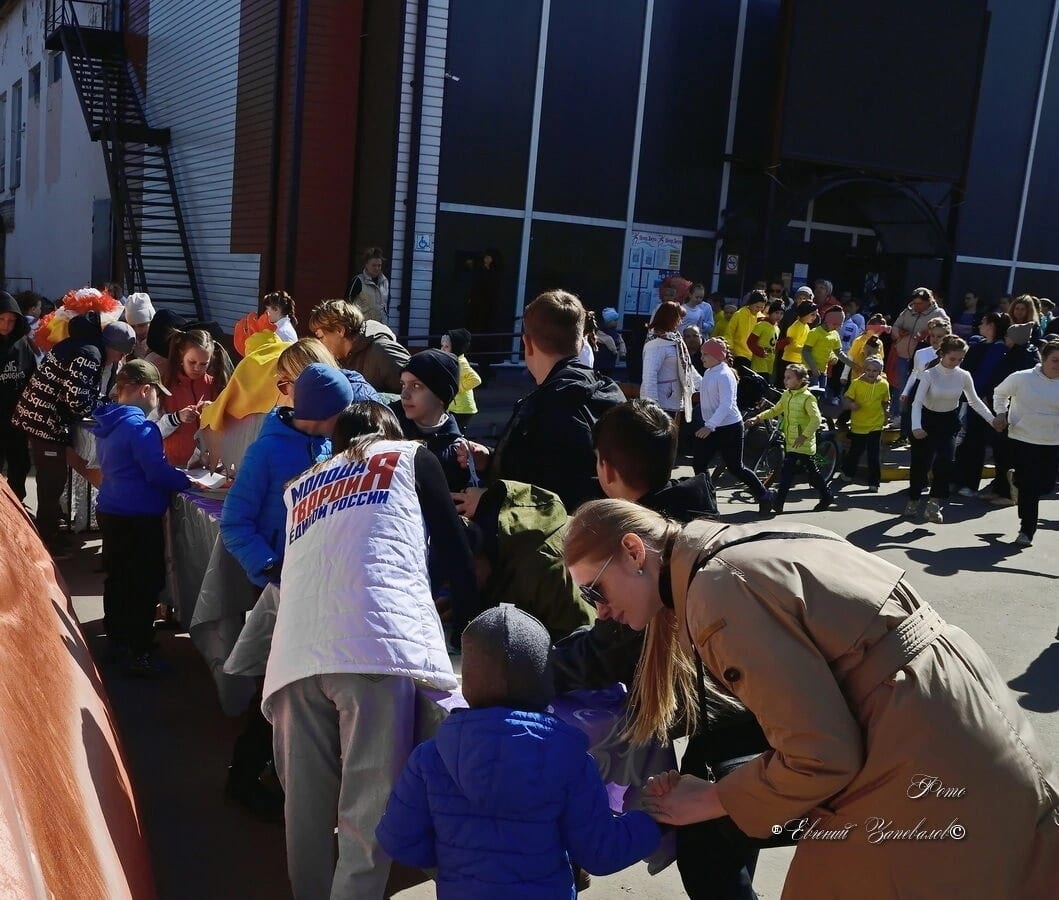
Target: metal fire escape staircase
{"points": [[143, 190]]}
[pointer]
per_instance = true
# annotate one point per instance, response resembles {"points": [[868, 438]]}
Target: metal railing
{"points": [[93, 14]]}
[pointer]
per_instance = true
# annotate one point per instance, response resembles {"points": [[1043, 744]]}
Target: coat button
{"points": [[732, 675]]}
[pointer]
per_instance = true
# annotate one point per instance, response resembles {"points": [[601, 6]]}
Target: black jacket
{"points": [[17, 362], [548, 440], [65, 389], [442, 443]]}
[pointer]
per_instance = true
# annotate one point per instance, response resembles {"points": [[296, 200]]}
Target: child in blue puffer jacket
{"points": [[506, 795]]}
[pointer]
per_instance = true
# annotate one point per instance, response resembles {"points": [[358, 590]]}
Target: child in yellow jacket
{"points": [[801, 419], [463, 407], [868, 396]]}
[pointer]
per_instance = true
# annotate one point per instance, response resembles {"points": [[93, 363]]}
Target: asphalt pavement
{"points": [[178, 742]]}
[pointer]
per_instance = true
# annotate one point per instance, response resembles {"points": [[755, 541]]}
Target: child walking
{"points": [[463, 407], [506, 797], [868, 398], [133, 499], [801, 419], [935, 423]]}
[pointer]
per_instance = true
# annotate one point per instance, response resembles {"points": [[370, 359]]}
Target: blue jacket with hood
{"points": [[500, 801], [254, 519], [137, 480]]}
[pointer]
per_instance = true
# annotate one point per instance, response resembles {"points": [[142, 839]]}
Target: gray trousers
{"points": [[340, 743]]}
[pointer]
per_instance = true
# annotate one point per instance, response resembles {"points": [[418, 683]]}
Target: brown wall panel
{"points": [[328, 138], [253, 186]]}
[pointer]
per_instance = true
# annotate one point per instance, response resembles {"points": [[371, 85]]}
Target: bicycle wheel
{"points": [[826, 456], [769, 464]]}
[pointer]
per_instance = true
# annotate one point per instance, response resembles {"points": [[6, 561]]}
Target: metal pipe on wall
{"points": [[415, 136], [298, 108]]}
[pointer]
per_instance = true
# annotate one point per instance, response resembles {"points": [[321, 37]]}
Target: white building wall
{"points": [[418, 293], [192, 73], [49, 249]]}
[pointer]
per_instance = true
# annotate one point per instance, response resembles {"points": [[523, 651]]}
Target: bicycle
{"points": [[768, 465]]}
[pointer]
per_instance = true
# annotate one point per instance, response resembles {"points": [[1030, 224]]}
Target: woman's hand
{"points": [[704, 432], [188, 414], [1000, 422], [687, 800], [918, 434], [467, 501], [798, 441], [752, 421]]}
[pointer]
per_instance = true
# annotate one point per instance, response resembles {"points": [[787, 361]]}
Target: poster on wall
{"points": [[653, 257]]}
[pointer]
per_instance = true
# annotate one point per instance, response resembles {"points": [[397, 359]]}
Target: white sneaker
{"points": [[933, 512], [1014, 487], [967, 492], [1024, 540]]}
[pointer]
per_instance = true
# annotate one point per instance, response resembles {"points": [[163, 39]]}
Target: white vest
{"points": [[355, 594]]}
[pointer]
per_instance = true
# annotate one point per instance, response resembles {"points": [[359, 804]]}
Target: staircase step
{"points": [[130, 133]]}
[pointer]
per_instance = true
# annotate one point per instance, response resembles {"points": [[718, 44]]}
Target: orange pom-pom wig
{"points": [[55, 326]]}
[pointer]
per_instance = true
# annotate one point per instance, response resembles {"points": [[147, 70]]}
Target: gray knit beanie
{"points": [[506, 661]]}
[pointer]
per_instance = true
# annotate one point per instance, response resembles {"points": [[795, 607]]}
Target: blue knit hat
{"points": [[321, 392]]}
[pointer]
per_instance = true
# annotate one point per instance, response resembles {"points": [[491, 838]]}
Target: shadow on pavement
{"points": [[1039, 684]]}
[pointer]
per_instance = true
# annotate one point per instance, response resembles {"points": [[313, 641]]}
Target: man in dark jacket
{"points": [[17, 364], [62, 391], [548, 440]]}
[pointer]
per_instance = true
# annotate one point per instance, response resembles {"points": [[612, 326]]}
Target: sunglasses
{"points": [[590, 593]]}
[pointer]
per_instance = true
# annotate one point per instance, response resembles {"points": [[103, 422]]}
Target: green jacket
{"points": [[526, 556], [801, 415]]}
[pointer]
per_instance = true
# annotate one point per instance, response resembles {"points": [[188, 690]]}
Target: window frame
{"points": [[18, 127]]}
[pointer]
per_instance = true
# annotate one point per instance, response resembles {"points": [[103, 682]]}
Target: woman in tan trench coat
{"points": [[899, 759]]}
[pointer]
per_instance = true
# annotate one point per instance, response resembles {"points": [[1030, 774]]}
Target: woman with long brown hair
{"points": [[668, 375], [879, 714]]}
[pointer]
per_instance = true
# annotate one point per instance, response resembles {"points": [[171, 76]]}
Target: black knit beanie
{"points": [[438, 370], [506, 661]]}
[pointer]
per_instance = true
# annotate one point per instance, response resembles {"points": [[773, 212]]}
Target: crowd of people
{"points": [[809, 676]]}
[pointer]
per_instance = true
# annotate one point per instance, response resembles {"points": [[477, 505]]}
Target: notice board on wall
{"points": [[653, 257]]}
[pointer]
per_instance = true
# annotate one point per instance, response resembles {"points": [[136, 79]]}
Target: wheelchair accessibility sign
{"points": [[424, 243]]}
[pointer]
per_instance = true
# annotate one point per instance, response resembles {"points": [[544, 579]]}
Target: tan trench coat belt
{"points": [[892, 653]]}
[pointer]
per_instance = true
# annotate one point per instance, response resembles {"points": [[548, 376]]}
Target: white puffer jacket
{"points": [[355, 593]]}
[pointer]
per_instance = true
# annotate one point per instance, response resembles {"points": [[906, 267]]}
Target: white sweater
{"points": [[940, 390], [1031, 402], [717, 395]]}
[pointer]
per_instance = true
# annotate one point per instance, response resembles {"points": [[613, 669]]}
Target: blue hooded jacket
{"points": [[254, 519], [500, 801], [137, 480]]}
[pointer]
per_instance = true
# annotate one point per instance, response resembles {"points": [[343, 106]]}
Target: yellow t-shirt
{"points": [[822, 346], [720, 325], [767, 334], [739, 328], [869, 396], [797, 332]]}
